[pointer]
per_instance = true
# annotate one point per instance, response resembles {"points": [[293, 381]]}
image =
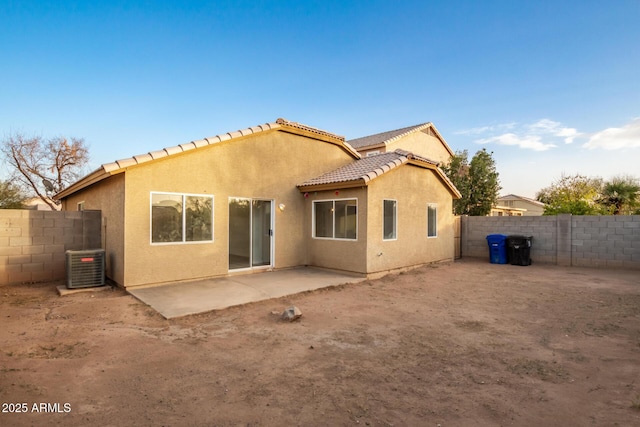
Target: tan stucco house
{"points": [[499, 210], [273, 196], [528, 207], [422, 140]]}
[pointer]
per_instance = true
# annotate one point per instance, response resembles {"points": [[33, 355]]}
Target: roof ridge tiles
{"points": [[387, 136], [107, 169], [169, 151], [285, 122], [413, 129], [364, 169]]}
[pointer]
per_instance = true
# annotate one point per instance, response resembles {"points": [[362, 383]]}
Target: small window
{"points": [[198, 218], [373, 153], [432, 220], [389, 221], [335, 219], [323, 219], [181, 218], [81, 206]]}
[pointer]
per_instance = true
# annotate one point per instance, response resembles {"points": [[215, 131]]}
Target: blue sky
{"points": [[550, 87]]}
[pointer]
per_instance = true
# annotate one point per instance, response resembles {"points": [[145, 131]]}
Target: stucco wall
{"points": [[423, 145], [419, 143], [347, 255], [591, 241], [267, 166], [413, 188], [532, 209], [107, 196], [33, 243]]}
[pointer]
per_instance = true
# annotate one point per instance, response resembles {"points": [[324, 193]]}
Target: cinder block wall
{"points": [[33, 243], [595, 241], [606, 241]]}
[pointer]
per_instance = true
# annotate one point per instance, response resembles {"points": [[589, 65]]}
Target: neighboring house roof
{"points": [[526, 199], [36, 203], [389, 137], [508, 208], [119, 166], [360, 172]]}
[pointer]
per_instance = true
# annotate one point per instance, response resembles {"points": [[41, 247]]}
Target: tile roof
{"points": [[308, 128], [154, 155], [384, 137], [410, 155], [391, 136], [526, 199], [365, 169], [108, 169]]}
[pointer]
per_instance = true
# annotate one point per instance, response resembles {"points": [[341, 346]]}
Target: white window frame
{"points": [[434, 206], [333, 223], [395, 220], [184, 220]]}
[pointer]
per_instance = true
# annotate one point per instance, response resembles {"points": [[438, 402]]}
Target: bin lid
{"points": [[496, 238], [517, 237], [517, 240]]}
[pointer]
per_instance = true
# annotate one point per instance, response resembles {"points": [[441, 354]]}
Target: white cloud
{"points": [[486, 129], [549, 127], [544, 126], [627, 136], [531, 142], [538, 136], [569, 133]]}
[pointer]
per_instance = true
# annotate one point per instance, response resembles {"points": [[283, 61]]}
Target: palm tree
{"points": [[621, 194]]}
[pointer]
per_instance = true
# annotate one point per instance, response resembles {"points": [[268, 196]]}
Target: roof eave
{"points": [[335, 141], [418, 128], [378, 145], [333, 185], [94, 177], [446, 146], [441, 175], [119, 166], [452, 188], [311, 132]]}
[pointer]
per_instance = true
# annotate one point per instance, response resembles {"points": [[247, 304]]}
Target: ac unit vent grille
{"points": [[85, 268]]}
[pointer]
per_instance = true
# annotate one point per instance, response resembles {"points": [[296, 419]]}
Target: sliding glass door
{"points": [[250, 233]]}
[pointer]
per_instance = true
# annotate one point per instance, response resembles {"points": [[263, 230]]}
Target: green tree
{"points": [[574, 194], [457, 170], [477, 181], [44, 167], [621, 195], [11, 197]]}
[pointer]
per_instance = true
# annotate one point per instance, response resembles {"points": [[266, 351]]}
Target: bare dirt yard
{"points": [[467, 343]]}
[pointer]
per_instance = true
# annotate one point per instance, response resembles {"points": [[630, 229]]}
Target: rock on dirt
{"points": [[290, 314]]}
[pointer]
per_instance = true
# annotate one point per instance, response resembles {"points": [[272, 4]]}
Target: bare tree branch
{"points": [[35, 160]]}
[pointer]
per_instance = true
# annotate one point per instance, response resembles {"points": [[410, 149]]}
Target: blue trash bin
{"points": [[497, 248]]}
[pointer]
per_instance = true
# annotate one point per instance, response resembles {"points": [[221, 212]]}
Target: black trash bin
{"points": [[519, 249]]}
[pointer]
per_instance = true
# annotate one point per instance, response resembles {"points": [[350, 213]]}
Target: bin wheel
{"points": [[530, 261]]}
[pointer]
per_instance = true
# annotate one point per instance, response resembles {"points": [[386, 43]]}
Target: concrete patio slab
{"points": [[183, 299]]}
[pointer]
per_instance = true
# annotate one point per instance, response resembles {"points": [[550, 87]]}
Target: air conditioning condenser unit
{"points": [[85, 268]]}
